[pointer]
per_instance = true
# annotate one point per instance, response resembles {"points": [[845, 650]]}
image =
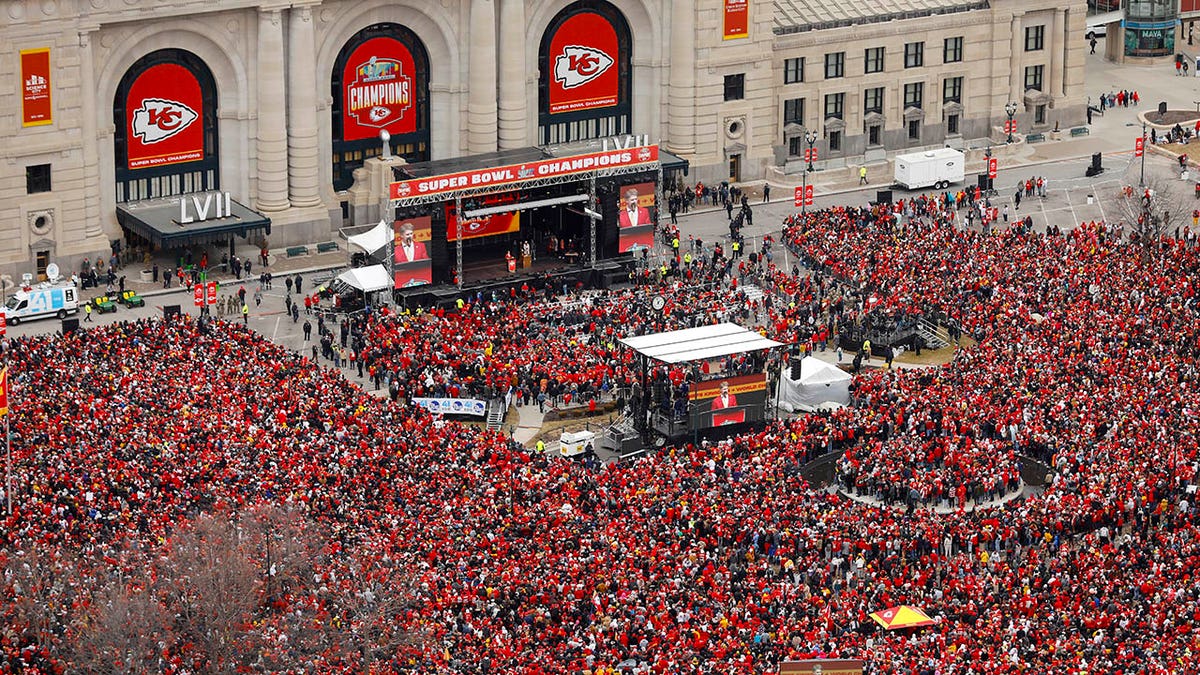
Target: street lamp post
{"points": [[810, 137], [1010, 109], [1142, 176]]}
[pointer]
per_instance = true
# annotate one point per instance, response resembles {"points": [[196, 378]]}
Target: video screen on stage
{"points": [[411, 264], [730, 400], [635, 218], [486, 226]]}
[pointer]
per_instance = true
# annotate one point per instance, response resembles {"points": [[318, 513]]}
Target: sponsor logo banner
{"points": [[453, 406], [411, 263], [163, 115], [518, 173], [583, 64], [737, 19], [378, 87], [36, 107]]}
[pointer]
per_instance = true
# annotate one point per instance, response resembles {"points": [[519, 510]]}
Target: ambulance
{"points": [[51, 298]]}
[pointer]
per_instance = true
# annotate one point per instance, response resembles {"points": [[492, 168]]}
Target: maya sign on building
{"points": [[378, 90], [518, 173], [163, 115], [583, 64]]}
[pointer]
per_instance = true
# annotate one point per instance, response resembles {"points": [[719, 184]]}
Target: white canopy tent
{"points": [[820, 384], [367, 279], [373, 239], [695, 344]]}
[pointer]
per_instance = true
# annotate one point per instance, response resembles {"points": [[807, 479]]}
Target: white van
{"points": [[46, 299]]}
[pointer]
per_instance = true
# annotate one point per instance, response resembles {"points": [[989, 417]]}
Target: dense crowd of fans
{"points": [[702, 558]]}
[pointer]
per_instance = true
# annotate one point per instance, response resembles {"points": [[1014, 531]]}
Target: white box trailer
{"points": [[931, 168]]}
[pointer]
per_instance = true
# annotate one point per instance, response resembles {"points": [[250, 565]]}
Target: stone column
{"points": [[481, 90], [1016, 85], [1058, 48], [303, 177], [513, 74], [682, 113], [271, 142], [91, 165]]}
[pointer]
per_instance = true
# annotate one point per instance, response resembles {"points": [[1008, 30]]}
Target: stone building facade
{"points": [[280, 102]]}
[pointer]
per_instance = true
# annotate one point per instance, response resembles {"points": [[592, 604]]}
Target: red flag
{"points": [[3, 392]]}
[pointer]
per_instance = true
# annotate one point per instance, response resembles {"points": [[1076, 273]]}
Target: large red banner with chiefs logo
{"points": [[737, 19], [163, 115], [485, 226], [584, 72], [36, 109], [378, 89]]}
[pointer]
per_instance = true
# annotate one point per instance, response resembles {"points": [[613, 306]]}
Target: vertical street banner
{"points": [[737, 19], [3, 392], [36, 108], [583, 64], [378, 90], [164, 115], [411, 264]]}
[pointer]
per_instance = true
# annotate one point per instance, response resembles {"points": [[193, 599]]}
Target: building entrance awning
{"points": [[672, 162], [164, 222]]}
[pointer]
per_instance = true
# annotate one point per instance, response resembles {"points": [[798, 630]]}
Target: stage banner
{"points": [[411, 264], [583, 64], [729, 400], [515, 174], [486, 226], [737, 19], [377, 90], [453, 406], [635, 222], [822, 667], [36, 108], [163, 113]]}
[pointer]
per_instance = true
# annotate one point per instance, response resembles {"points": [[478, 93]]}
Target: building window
{"points": [[873, 60], [952, 90], [793, 70], [835, 141], [37, 178], [952, 124], [793, 111], [795, 146], [873, 135], [1034, 37], [1039, 114], [735, 87], [914, 54], [835, 105], [914, 130], [952, 50], [1033, 77], [835, 65], [914, 93], [873, 100]]}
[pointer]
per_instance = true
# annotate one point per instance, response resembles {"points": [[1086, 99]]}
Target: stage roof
{"points": [[695, 344]]}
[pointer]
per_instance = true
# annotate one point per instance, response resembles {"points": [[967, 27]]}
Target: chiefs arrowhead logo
{"points": [[578, 65], [159, 119]]}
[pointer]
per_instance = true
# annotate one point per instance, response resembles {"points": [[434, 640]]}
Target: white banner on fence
{"points": [[453, 406]]}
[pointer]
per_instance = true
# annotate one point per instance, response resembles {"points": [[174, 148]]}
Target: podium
{"points": [[526, 261]]}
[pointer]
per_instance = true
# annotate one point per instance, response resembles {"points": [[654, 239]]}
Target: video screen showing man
{"points": [[411, 263], [724, 399], [635, 225]]}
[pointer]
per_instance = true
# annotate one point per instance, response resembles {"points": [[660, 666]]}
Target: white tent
{"points": [[367, 279], [373, 239], [820, 383]]}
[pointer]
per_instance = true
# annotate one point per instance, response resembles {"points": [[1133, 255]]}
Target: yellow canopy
{"points": [[904, 616]]}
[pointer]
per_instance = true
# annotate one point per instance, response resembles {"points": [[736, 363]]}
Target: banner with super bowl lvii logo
{"points": [[453, 406], [378, 90]]}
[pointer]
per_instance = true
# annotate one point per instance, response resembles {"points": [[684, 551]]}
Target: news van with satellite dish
{"points": [[54, 297]]}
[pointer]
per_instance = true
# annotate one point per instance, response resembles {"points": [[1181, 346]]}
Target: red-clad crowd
{"points": [[712, 558]]}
